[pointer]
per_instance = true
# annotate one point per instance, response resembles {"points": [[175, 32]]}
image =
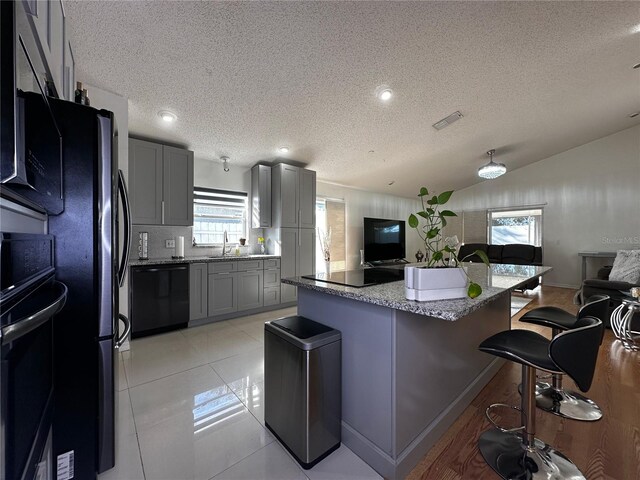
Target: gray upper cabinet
{"points": [[177, 188], [48, 24], [198, 293], [69, 72], [260, 196], [307, 199], [161, 184], [56, 44], [145, 180]]}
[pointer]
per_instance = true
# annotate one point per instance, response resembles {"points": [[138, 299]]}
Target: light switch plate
{"points": [[170, 244]]}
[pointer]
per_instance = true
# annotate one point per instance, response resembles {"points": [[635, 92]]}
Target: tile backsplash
{"points": [[159, 234]]}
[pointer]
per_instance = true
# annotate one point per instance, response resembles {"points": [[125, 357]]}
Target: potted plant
{"points": [[448, 277]]}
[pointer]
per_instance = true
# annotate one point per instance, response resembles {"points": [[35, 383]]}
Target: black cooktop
{"points": [[360, 278]]}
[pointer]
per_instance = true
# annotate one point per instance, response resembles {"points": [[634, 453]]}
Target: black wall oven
{"points": [[29, 299]]}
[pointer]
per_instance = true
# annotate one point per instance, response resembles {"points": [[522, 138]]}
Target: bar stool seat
{"points": [[552, 397], [552, 317], [515, 453], [521, 346]]}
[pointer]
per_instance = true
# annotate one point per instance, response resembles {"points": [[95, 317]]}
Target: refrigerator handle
{"points": [[124, 258], [127, 330]]}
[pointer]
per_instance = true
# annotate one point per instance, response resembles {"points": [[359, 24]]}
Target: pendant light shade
{"points": [[492, 169]]}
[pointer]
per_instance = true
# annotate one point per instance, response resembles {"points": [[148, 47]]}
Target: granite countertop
{"points": [[204, 259], [495, 280]]}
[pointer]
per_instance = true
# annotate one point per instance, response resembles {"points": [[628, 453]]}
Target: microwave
{"points": [[31, 151]]}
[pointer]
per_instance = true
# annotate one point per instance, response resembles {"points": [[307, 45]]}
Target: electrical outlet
{"points": [[170, 244]]}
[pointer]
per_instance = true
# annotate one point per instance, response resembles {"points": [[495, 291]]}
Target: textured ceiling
{"points": [[531, 78]]}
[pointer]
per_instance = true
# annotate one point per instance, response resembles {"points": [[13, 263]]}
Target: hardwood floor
{"points": [[608, 449]]}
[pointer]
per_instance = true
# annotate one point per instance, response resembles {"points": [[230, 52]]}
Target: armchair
{"points": [[613, 288]]}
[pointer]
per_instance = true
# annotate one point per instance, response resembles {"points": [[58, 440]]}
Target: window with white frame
{"points": [[216, 211], [516, 226]]}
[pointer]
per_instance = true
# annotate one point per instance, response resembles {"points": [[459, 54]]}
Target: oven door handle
{"points": [[127, 330], [126, 211], [25, 325]]}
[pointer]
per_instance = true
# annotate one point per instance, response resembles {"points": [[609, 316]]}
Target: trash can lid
{"points": [[303, 332]]}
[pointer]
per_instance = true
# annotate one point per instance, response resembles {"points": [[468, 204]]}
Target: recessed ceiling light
{"points": [[283, 149], [167, 116], [391, 182], [636, 29], [634, 114], [385, 94], [637, 65]]}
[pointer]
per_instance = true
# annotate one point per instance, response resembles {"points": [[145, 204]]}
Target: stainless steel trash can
{"points": [[302, 387]]}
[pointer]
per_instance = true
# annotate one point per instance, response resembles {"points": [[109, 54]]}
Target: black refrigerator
{"points": [[89, 261]]}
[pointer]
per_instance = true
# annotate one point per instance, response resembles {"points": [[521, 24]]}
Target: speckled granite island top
{"points": [[228, 258], [495, 280]]}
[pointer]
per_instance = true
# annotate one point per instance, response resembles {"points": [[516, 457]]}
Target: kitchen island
{"points": [[410, 368]]}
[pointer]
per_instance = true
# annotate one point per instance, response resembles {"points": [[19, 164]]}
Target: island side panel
{"points": [[367, 354], [439, 367]]}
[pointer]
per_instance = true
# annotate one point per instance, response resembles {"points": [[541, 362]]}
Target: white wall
{"points": [[591, 195], [209, 173], [360, 204]]}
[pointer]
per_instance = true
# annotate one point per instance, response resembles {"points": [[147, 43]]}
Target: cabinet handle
{"points": [[162, 208]]}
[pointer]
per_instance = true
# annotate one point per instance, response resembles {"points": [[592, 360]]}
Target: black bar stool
{"points": [[552, 397], [515, 453]]}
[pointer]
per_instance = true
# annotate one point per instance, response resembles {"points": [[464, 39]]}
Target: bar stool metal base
{"points": [[566, 403], [507, 455]]}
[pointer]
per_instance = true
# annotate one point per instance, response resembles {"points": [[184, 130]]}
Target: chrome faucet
{"points": [[225, 239]]}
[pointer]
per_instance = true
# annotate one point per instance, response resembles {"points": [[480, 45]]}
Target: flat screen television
{"points": [[383, 239]]}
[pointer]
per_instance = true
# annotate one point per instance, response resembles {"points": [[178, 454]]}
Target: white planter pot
{"points": [[424, 284]]}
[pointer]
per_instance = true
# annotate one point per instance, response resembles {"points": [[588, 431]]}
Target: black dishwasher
{"points": [[159, 298]]}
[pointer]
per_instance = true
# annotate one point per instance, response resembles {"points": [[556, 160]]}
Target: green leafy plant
{"points": [[434, 219]]}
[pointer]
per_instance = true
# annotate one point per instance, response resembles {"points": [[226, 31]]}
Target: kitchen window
{"points": [[215, 211]]}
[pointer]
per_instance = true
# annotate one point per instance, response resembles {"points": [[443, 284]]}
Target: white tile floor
{"points": [[191, 408]]}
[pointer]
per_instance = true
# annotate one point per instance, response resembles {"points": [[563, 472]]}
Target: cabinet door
{"points": [[69, 70], [289, 195], [250, 289], [288, 263], [306, 252], [177, 188], [145, 180], [271, 296], [56, 44], [261, 196], [198, 291], [307, 199], [222, 293]]}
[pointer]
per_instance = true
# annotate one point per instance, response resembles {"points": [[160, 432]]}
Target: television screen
{"points": [[383, 239]]}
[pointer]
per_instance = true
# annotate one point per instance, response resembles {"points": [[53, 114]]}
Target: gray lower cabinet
{"points": [[198, 294], [222, 293], [250, 289], [223, 288]]}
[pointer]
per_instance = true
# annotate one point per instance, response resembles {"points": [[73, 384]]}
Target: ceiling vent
{"points": [[445, 122]]}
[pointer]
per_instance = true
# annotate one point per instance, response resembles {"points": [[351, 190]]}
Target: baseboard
{"points": [[397, 468], [242, 313]]}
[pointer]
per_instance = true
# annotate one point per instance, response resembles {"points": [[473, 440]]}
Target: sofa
{"points": [[514, 253], [603, 286]]}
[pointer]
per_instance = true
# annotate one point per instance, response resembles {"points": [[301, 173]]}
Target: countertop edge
{"points": [[169, 261]]}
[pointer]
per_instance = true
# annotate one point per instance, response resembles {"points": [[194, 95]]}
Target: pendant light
{"points": [[225, 163], [492, 169]]}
